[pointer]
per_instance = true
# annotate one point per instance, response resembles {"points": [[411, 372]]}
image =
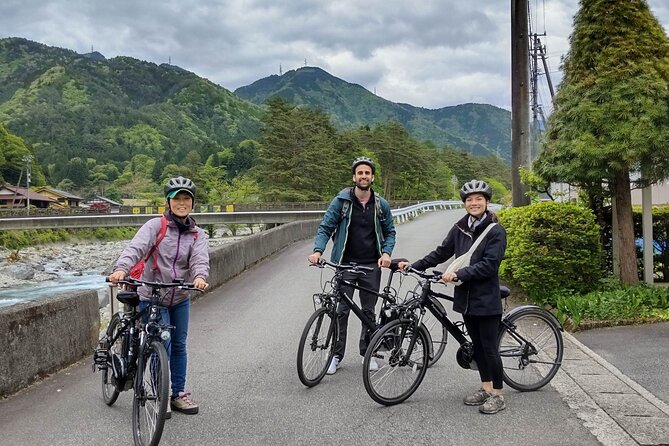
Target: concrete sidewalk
{"points": [[616, 409]]}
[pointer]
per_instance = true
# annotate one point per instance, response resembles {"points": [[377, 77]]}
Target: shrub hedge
{"points": [[552, 249]]}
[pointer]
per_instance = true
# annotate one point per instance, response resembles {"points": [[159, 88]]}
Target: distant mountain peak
{"points": [[480, 129], [95, 55]]}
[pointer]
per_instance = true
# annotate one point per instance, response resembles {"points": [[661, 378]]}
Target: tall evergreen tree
{"points": [[612, 115]]}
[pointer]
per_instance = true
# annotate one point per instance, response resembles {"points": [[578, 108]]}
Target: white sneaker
{"points": [[333, 366], [373, 365]]}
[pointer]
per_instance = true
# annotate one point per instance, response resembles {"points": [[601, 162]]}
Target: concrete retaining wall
{"points": [[39, 338]]}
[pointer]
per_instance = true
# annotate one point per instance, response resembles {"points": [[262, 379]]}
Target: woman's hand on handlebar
{"points": [[116, 276], [449, 277], [200, 283]]}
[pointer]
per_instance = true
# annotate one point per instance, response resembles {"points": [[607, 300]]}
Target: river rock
{"points": [[21, 271]]}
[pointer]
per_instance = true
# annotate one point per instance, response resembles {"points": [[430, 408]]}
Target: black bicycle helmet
{"points": [[362, 160], [179, 184], [475, 187]]}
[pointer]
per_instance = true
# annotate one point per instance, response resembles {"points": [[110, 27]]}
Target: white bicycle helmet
{"points": [[475, 187]]}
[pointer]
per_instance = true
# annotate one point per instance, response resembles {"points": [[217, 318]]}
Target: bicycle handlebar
{"points": [[352, 267], [178, 283]]}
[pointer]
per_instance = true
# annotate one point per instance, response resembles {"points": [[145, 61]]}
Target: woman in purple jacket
{"points": [[183, 253]]}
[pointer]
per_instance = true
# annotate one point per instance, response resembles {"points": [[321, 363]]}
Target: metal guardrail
{"points": [[206, 218]]}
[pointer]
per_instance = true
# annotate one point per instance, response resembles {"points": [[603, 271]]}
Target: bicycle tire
{"points": [[438, 333], [530, 366], [397, 377], [151, 395], [110, 390], [317, 345]]}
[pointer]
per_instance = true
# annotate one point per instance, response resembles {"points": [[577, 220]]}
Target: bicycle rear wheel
{"points": [[400, 372], [531, 348], [438, 333], [151, 395], [316, 347], [110, 389]]}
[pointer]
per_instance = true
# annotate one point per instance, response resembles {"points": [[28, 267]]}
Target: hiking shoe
{"points": [[184, 404], [477, 398], [333, 366], [168, 413], [493, 404], [373, 365]]}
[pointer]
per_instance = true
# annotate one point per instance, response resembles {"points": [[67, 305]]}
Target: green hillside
{"points": [[68, 105], [476, 128]]}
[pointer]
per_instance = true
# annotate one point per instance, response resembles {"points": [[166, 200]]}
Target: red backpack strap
{"points": [[159, 238]]}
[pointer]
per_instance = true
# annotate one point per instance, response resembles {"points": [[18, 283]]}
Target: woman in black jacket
{"points": [[477, 295]]}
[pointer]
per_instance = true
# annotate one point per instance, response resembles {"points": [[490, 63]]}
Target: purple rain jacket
{"points": [[178, 256]]}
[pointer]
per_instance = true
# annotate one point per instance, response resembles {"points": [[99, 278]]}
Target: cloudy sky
{"points": [[429, 53]]}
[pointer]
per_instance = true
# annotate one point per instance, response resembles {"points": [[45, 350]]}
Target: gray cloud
{"points": [[431, 53]]}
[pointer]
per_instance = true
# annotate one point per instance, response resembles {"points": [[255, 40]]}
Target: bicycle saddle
{"points": [[128, 297]]}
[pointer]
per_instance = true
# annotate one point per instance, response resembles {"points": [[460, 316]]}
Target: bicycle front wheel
{"points": [[316, 348], [531, 348], [151, 395], [400, 371], [110, 389]]}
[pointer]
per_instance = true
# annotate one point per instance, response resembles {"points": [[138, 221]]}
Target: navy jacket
{"points": [[479, 293]]}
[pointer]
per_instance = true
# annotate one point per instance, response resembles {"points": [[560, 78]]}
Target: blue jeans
{"points": [[177, 316]]}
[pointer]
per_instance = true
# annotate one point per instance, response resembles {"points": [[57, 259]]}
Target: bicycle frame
{"points": [[339, 282]]}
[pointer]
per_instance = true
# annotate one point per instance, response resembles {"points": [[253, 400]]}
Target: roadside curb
{"points": [[617, 410]]}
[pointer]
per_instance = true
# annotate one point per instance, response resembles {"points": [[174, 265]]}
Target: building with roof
{"points": [[20, 197], [64, 199]]}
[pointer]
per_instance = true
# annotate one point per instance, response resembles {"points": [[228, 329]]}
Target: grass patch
{"points": [[18, 239]]}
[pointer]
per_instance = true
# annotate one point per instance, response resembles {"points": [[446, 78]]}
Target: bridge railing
{"points": [[203, 218]]}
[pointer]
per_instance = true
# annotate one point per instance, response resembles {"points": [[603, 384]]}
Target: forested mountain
{"points": [[121, 127], [476, 128], [67, 105]]}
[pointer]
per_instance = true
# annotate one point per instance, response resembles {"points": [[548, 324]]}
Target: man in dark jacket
{"points": [[478, 295], [364, 233]]}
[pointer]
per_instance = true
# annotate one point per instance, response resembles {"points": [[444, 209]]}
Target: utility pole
{"points": [[520, 116], [28, 159]]}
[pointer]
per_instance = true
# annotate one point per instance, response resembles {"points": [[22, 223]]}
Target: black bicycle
{"points": [[132, 355], [529, 341], [317, 343]]}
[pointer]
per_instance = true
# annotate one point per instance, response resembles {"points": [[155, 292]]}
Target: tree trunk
{"points": [[625, 233]]}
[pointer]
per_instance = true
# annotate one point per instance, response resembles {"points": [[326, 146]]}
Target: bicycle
{"points": [[131, 355], [529, 341], [318, 339]]}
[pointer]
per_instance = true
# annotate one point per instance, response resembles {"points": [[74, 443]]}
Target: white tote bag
{"points": [[463, 260]]}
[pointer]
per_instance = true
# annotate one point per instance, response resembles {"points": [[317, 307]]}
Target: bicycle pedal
{"points": [[100, 359]]}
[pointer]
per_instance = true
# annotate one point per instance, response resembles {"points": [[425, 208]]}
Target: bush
{"points": [[552, 249], [615, 304]]}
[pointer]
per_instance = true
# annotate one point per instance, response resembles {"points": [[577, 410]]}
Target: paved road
{"points": [[243, 343]]}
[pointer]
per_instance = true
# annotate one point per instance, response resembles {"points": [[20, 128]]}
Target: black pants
{"points": [[371, 281], [483, 331]]}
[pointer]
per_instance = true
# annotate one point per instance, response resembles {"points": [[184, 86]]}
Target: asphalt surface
{"points": [[242, 349]]}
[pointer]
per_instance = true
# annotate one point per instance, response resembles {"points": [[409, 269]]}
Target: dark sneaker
{"points": [[184, 404], [493, 404], [477, 398]]}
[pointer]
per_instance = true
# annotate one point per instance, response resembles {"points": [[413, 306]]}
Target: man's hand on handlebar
{"points": [[403, 265], [314, 258], [384, 261], [116, 276]]}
